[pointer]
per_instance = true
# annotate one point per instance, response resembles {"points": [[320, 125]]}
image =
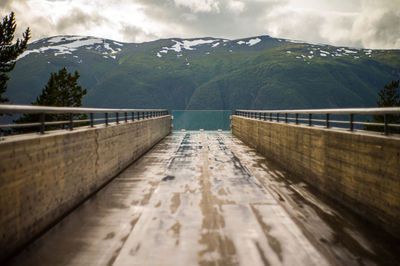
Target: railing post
{"points": [[265, 116], [270, 116], [117, 117], [42, 123], [106, 117], [277, 117], [286, 118], [91, 120], [133, 116], [327, 120], [310, 120], [351, 122], [297, 119], [386, 126], [126, 117], [71, 122]]}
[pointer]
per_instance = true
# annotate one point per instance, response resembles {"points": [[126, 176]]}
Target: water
{"points": [[201, 119]]}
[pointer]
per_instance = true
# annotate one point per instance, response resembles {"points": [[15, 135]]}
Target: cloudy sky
{"points": [[355, 23]]}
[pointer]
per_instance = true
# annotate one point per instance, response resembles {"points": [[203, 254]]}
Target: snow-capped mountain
{"points": [[69, 45], [208, 73]]}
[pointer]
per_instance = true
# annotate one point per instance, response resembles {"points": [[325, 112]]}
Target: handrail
{"points": [[42, 110], [336, 111], [386, 112], [33, 109]]}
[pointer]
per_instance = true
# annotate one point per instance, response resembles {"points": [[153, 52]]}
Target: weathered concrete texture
{"points": [[205, 198], [44, 177], [362, 171]]}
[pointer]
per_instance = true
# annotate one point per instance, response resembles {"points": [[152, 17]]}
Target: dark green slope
{"points": [[257, 73]]}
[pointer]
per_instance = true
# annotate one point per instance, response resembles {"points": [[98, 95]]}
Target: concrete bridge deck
{"points": [[204, 198]]}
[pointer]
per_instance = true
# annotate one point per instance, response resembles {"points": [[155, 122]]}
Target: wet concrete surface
{"points": [[205, 198]]}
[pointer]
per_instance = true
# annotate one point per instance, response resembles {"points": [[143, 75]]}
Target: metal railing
{"points": [[128, 114], [306, 116]]}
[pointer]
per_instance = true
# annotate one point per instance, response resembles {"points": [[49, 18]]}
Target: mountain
{"points": [[208, 73]]}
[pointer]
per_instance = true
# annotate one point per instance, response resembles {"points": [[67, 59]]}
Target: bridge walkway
{"points": [[205, 198]]}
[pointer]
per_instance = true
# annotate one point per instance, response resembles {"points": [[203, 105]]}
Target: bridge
{"points": [[282, 187]]}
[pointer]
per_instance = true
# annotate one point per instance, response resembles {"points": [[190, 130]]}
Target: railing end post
{"points": [[386, 126], [327, 120], [91, 120], [42, 127], [71, 122], [351, 122]]}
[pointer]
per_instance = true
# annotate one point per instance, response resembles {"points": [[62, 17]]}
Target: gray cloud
{"points": [[227, 22], [132, 33], [79, 18], [360, 23], [388, 27], [378, 25], [5, 3]]}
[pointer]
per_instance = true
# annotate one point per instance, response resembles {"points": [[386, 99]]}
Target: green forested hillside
{"points": [[255, 73]]}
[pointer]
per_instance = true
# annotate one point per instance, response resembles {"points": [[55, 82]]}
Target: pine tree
{"points": [[9, 51], [389, 96], [62, 89]]}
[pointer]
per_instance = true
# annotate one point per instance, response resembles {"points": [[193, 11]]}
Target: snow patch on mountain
{"points": [[331, 51], [62, 45], [254, 41], [250, 42], [179, 46]]}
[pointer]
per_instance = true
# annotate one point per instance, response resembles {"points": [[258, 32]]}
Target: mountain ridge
{"points": [[258, 72]]}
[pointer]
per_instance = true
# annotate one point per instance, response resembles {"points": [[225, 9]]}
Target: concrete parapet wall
{"points": [[43, 177], [361, 171]]}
